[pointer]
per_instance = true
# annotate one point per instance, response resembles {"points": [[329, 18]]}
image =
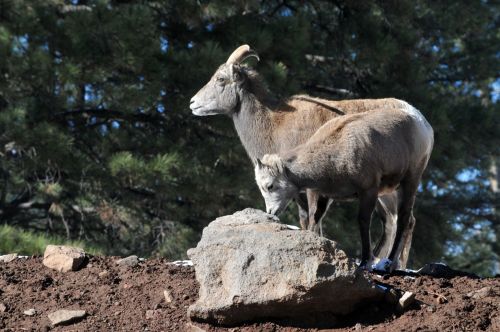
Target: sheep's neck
{"points": [[302, 175], [254, 124]]}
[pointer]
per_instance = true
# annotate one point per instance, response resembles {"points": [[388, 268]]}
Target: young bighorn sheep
{"points": [[355, 156], [268, 125]]}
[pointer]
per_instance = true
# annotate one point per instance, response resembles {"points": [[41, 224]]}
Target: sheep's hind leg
{"points": [[406, 222], [405, 251], [387, 208], [367, 201]]}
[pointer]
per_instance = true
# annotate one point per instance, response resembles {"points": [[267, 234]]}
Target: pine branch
{"points": [[156, 119]]}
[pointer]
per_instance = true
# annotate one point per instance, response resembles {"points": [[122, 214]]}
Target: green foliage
{"points": [[97, 141], [13, 239]]}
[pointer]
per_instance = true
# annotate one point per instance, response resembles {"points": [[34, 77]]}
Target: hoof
{"points": [[384, 265], [365, 266]]}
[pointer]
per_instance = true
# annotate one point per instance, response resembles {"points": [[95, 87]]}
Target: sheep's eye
{"points": [[221, 79], [270, 187]]}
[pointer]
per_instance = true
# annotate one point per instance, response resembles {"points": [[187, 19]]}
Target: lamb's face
{"points": [[274, 186]]}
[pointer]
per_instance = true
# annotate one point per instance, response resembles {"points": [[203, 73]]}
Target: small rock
{"points": [[441, 299], [128, 261], [8, 258], [63, 258], [481, 293], [150, 314], [193, 328], [66, 316], [358, 327], [30, 312], [168, 296], [103, 274], [3, 307], [431, 308], [406, 300]]}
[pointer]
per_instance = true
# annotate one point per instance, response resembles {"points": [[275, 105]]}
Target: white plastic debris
{"points": [[296, 228], [182, 263], [410, 271]]}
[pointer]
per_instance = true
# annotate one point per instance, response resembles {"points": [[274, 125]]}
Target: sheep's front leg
{"points": [[367, 201], [312, 205], [317, 206], [302, 205]]}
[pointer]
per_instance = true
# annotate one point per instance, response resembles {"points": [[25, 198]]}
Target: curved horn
{"points": [[241, 54]]}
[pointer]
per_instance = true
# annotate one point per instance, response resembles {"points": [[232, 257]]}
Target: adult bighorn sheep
{"points": [[268, 125], [355, 156]]}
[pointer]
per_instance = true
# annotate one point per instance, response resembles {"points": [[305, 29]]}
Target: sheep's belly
{"points": [[386, 190]]}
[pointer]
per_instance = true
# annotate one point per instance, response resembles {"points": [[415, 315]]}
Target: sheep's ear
{"points": [[235, 72], [286, 172], [258, 162]]}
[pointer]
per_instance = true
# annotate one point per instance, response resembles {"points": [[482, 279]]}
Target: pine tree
{"points": [[97, 142]]}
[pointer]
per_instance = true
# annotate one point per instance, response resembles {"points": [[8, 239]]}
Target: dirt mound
{"points": [[124, 298]]}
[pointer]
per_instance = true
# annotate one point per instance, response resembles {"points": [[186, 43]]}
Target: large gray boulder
{"points": [[249, 266]]}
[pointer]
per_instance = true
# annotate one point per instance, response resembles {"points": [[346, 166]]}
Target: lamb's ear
{"points": [[258, 162], [286, 172]]}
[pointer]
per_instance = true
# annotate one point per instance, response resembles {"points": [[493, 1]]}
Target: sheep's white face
{"points": [[221, 94], [274, 186]]}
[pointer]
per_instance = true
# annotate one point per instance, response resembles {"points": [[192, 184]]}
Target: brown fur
{"points": [[362, 156]]}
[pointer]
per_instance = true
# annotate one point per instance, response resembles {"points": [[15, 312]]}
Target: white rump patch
{"points": [[413, 112], [425, 128]]}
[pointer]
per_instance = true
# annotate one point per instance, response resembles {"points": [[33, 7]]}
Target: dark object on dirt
{"points": [[440, 270], [437, 270]]}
